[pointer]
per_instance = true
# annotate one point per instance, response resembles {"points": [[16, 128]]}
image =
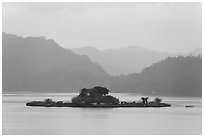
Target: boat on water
{"points": [[97, 97], [189, 106]]}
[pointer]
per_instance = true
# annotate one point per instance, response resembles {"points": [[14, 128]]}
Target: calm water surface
{"points": [[20, 119]]}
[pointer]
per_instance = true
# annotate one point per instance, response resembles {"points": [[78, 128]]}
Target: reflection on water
{"points": [[19, 119]]}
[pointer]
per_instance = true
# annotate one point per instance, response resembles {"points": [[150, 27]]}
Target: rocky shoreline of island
{"points": [[97, 97], [57, 104]]}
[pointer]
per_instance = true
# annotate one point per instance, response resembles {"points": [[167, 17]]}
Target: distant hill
{"points": [[37, 64], [124, 61], [174, 76]]}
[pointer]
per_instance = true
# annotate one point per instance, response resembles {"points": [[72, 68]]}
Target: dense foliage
{"points": [[96, 95]]}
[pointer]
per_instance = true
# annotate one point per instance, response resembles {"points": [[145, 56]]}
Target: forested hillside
{"points": [[174, 76]]}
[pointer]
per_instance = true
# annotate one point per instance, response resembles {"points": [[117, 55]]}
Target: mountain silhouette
{"points": [[37, 64], [123, 61], [174, 76]]}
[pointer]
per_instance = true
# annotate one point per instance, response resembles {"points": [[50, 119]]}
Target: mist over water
{"points": [[147, 48], [20, 119]]}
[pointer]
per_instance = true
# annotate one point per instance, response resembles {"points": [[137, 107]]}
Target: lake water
{"points": [[18, 119]]}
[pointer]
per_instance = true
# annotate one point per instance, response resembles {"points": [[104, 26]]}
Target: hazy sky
{"points": [[174, 27]]}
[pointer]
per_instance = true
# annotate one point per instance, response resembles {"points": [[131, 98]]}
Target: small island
{"points": [[98, 97]]}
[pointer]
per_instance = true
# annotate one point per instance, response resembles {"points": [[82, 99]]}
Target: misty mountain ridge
{"points": [[37, 64], [174, 76], [34, 63], [127, 60]]}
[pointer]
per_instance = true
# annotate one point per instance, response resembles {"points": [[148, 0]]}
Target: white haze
{"points": [[172, 27]]}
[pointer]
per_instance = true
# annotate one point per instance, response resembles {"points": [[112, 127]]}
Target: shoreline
{"points": [[61, 104]]}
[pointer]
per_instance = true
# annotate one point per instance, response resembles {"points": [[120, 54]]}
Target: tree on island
{"points": [[48, 100], [145, 100], [96, 95], [157, 100]]}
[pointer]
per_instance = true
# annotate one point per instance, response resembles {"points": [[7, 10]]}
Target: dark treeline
{"points": [[37, 64], [174, 76]]}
